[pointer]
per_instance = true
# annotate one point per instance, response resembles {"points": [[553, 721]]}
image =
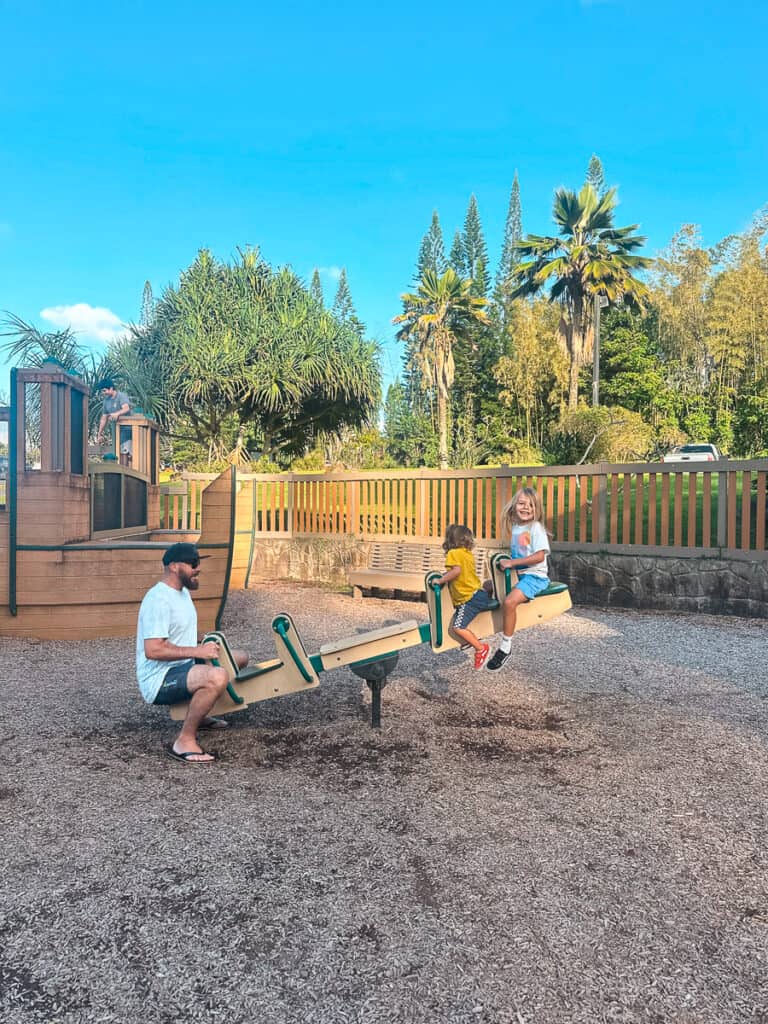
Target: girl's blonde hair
{"points": [[458, 536], [509, 512]]}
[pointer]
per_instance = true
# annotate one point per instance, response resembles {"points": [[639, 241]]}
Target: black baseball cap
{"points": [[183, 552]]}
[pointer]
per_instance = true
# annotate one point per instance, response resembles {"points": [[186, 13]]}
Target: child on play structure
{"points": [[529, 548], [467, 592]]}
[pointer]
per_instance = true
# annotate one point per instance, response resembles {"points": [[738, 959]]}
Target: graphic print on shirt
{"points": [[527, 540], [521, 545]]}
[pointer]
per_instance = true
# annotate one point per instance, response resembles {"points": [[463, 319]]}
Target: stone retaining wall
{"points": [[720, 586]]}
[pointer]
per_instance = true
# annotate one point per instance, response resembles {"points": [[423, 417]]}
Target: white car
{"points": [[693, 453]]}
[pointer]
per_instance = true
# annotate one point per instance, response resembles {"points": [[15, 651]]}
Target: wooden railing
{"points": [[673, 507]]}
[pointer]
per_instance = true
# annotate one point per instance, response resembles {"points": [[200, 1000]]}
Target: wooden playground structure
{"points": [[80, 540]]}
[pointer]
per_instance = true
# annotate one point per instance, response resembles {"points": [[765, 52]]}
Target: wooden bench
{"points": [[402, 566]]}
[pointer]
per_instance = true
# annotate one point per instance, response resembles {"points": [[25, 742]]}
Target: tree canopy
{"points": [[589, 258], [242, 356]]}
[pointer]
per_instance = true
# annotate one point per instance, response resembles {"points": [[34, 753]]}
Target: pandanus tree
{"points": [[440, 313], [590, 257], [242, 355]]}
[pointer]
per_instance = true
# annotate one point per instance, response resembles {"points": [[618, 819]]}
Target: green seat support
{"points": [[553, 588]]}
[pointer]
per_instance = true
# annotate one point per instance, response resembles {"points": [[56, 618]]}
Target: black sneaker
{"points": [[498, 660]]}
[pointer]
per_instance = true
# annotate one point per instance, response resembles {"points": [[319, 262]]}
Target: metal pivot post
{"points": [[376, 686], [376, 674]]}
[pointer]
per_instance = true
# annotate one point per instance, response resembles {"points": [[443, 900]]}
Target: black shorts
{"points": [[479, 602], [174, 689]]}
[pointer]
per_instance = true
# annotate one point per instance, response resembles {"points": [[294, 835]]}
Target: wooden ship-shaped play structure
{"points": [[80, 540]]}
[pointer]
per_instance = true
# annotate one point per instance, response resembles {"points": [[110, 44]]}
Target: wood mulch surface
{"points": [[581, 837]]}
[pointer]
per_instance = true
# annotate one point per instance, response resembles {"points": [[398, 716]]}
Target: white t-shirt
{"points": [[165, 614], [527, 539]]}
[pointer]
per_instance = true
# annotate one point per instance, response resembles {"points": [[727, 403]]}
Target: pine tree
{"points": [[482, 279], [431, 250], [147, 306], [343, 308], [596, 176], [475, 249], [342, 304], [316, 288], [457, 259], [513, 232], [469, 382]]}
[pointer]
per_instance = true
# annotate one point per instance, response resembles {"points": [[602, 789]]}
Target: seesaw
{"points": [[371, 655], [547, 605]]}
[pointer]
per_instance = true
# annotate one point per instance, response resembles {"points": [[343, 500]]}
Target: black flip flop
{"points": [[213, 724], [188, 756]]}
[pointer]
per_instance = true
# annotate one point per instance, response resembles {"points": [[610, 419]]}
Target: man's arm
{"points": [[124, 408], [161, 649], [102, 424]]}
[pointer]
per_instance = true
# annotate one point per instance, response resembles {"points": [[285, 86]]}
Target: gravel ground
{"points": [[580, 837]]}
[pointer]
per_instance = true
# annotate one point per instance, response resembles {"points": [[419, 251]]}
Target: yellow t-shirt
{"points": [[467, 582]]}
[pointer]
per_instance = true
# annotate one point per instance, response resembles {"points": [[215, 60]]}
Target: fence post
{"points": [[421, 507], [353, 513], [291, 489], [602, 506], [722, 510]]}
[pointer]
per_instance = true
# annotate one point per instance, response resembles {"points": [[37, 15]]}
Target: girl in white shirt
{"points": [[522, 518]]}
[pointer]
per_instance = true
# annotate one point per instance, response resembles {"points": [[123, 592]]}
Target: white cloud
{"points": [[333, 272], [94, 322]]}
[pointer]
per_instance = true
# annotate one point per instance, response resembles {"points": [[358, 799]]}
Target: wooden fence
{"points": [[656, 507]]}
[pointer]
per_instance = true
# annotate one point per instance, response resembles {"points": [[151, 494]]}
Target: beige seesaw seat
{"points": [[291, 672]]}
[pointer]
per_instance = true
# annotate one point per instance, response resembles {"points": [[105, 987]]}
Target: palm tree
{"points": [[441, 313], [590, 258]]}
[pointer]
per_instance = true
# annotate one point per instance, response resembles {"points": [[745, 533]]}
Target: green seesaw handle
{"points": [[281, 625], [437, 591]]}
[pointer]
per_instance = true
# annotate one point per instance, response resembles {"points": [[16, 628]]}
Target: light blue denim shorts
{"points": [[531, 585]]}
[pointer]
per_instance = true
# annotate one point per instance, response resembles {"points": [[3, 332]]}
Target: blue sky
{"points": [[327, 135]]}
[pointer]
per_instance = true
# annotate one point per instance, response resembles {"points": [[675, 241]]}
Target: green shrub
{"points": [[310, 462], [519, 453], [604, 434]]}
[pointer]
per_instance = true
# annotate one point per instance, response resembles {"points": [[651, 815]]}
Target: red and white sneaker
{"points": [[481, 656]]}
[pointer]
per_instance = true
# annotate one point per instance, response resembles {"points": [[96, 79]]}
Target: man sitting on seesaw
{"points": [[172, 665]]}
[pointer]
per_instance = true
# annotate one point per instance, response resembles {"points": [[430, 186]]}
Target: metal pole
{"points": [[596, 356], [376, 686]]}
